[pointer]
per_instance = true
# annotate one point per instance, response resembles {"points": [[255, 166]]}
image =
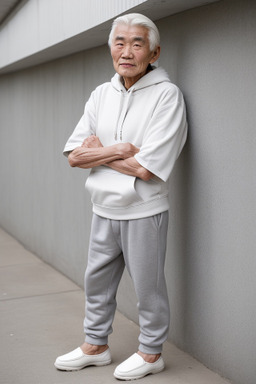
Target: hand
{"points": [[127, 150], [92, 142]]}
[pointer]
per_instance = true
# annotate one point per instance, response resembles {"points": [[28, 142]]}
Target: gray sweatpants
{"points": [[140, 245]]}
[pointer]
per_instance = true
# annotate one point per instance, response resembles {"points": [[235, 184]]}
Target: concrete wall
{"points": [[210, 53]]}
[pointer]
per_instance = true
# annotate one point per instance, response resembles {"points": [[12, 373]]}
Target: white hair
{"points": [[141, 20]]}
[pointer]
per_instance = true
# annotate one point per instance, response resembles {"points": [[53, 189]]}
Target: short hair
{"points": [[141, 20]]}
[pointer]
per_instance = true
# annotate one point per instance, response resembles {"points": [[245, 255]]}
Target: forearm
{"points": [[82, 157], [131, 167], [92, 153]]}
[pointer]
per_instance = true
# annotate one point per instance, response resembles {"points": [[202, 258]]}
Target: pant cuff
{"points": [[150, 350], [96, 341]]}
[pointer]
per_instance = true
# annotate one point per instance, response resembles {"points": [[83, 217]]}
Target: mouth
{"points": [[127, 65]]}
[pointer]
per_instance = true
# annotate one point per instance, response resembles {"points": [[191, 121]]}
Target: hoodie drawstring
{"points": [[123, 110], [119, 112]]}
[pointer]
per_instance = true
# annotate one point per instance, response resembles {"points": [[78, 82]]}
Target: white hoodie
{"points": [[151, 115]]}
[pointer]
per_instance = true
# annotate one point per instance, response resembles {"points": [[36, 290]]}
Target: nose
{"points": [[127, 51]]}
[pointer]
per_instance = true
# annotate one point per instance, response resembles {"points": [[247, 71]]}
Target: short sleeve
{"points": [[165, 135], [84, 128]]}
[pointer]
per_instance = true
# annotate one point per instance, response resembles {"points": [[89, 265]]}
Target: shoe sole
{"points": [[96, 364], [129, 378]]}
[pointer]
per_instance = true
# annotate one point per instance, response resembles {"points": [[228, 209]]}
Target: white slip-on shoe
{"points": [[135, 367], [76, 360]]}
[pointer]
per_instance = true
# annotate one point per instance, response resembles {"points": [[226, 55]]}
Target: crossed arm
{"points": [[119, 157]]}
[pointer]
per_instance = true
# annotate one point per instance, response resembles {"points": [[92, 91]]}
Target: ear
{"points": [[156, 54]]}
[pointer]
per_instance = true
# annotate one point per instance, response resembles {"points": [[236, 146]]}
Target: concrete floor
{"points": [[41, 318]]}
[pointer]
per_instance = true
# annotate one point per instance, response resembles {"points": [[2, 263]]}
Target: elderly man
{"points": [[131, 133]]}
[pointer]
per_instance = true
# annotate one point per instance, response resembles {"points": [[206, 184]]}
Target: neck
{"points": [[130, 81]]}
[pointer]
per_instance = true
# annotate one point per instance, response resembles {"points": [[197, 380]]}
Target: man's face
{"points": [[131, 53]]}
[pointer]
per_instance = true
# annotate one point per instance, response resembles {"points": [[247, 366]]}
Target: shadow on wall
{"points": [[178, 244]]}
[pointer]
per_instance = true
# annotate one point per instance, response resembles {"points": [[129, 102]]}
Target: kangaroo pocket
{"points": [[151, 189], [111, 189]]}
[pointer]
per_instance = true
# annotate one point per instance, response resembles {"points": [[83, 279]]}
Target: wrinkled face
{"points": [[131, 53]]}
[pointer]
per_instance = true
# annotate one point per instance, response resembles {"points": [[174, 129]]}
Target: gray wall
{"points": [[210, 53]]}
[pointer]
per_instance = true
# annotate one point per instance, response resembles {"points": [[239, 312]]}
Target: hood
{"points": [[156, 76]]}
